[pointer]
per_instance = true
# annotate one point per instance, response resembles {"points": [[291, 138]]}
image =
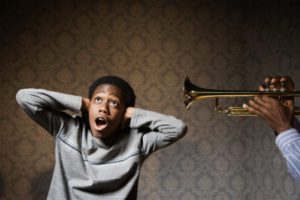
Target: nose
{"points": [[103, 107]]}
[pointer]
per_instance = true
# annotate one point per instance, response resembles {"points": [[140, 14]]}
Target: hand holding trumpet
{"points": [[277, 113]]}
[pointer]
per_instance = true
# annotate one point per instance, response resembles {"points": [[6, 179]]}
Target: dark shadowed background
{"points": [[63, 45]]}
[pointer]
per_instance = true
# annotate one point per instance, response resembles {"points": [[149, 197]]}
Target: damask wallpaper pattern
{"points": [[64, 45]]}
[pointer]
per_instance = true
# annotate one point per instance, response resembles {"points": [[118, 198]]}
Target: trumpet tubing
{"points": [[192, 93]]}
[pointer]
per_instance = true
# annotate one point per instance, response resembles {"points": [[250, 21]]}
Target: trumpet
{"points": [[191, 93]]}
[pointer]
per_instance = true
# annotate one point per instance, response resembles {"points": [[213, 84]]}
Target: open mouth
{"points": [[100, 122]]}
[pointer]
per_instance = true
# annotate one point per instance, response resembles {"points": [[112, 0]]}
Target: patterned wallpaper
{"points": [[63, 45]]}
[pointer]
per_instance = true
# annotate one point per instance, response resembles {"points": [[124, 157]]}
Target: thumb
{"points": [[291, 105]]}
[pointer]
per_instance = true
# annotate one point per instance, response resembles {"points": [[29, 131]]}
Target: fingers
{"points": [[263, 105], [253, 108], [260, 105], [257, 105], [288, 82], [270, 84], [85, 104], [277, 83], [265, 86], [127, 117], [289, 104], [268, 80]]}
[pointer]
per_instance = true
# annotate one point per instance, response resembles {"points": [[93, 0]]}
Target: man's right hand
{"points": [[278, 115]]}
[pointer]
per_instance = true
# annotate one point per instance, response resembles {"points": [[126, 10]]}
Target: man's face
{"points": [[106, 110]]}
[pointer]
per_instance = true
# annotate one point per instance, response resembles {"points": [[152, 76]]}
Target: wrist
{"points": [[283, 129]]}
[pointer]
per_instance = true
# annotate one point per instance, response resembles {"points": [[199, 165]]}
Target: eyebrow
{"points": [[112, 94]]}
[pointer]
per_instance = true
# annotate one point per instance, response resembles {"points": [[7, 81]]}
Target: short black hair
{"points": [[116, 81]]}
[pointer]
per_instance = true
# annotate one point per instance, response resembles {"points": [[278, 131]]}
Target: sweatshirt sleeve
{"points": [[45, 107], [288, 143], [160, 130]]}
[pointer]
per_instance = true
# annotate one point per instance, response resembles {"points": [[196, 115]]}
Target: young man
{"points": [[99, 155], [280, 117]]}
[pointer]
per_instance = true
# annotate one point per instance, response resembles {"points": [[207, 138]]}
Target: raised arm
{"points": [[161, 130], [45, 107]]}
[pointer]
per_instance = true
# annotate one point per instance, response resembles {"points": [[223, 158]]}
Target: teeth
{"points": [[100, 120]]}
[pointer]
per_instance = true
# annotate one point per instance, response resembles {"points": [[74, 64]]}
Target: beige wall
{"points": [[64, 45]]}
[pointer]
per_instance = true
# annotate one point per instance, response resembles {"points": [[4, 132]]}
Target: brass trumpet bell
{"points": [[191, 93]]}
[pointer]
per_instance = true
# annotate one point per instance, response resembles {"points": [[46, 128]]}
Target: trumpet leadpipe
{"points": [[192, 92]]}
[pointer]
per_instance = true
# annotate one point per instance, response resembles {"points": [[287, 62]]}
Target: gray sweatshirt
{"points": [[85, 168]]}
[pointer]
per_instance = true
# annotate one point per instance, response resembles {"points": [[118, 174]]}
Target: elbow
{"points": [[19, 96], [22, 95], [183, 128]]}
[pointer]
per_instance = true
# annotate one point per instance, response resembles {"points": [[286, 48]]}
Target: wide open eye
{"points": [[113, 103], [98, 100]]}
